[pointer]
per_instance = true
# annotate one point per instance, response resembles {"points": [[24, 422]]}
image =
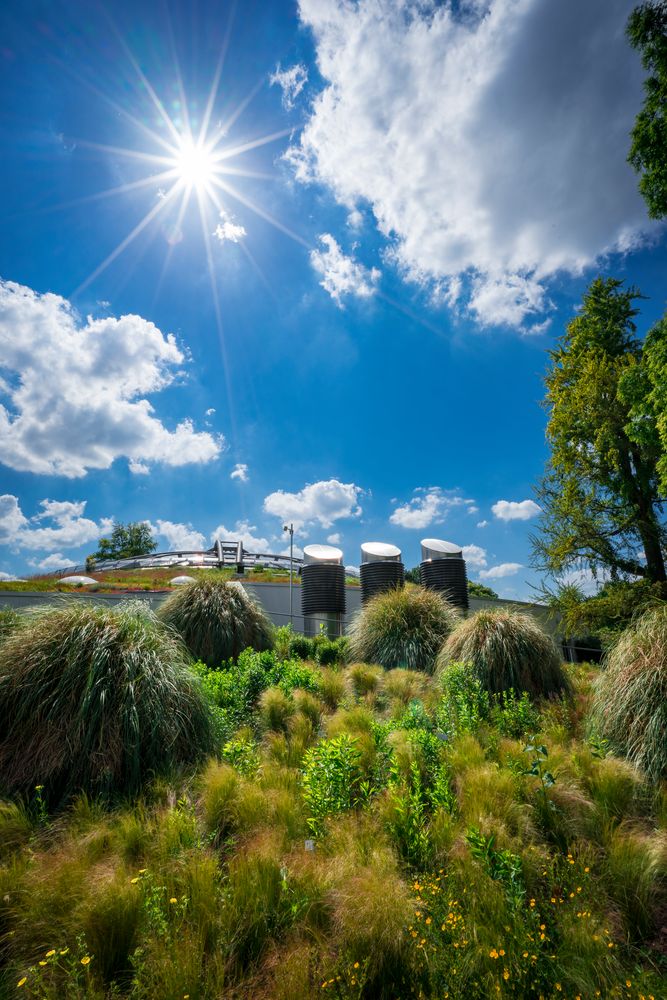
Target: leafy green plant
{"points": [[629, 707], [465, 703], [217, 620], [331, 779], [507, 649], [9, 620], [500, 865], [514, 715], [402, 628], [97, 700], [301, 648]]}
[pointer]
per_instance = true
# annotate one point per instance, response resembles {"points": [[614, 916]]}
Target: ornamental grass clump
{"points": [[96, 700], [217, 619], [402, 628], [629, 707], [507, 651]]}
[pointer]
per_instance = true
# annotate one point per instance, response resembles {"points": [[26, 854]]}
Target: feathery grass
{"points": [[96, 700], [507, 650], [217, 620], [629, 706], [402, 628]]}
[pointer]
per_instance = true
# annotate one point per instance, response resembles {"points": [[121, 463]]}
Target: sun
{"points": [[195, 164]]}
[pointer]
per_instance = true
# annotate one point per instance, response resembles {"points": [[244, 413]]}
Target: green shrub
{"points": [[301, 648], [328, 653], [507, 649], [217, 620], [276, 709], [331, 778], [9, 619], [629, 706], [96, 700], [402, 628]]}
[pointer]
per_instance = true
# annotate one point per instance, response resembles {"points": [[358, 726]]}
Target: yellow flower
{"points": [[49, 953], [42, 963], [428, 920], [63, 951], [628, 983], [173, 900], [493, 953], [525, 954], [85, 960], [506, 974], [142, 870], [586, 869], [532, 902], [502, 951], [356, 965], [22, 981], [134, 880], [558, 987]]}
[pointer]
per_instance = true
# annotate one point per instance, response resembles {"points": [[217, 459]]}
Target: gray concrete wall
{"points": [[274, 598]]}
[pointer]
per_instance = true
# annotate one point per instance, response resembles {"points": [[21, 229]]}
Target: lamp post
{"points": [[290, 528]]}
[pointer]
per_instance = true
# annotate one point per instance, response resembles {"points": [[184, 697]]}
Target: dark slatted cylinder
{"points": [[381, 569], [322, 581], [443, 568]]}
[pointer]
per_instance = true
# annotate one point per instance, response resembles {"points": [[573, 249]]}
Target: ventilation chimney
{"points": [[443, 568], [381, 569], [322, 589]]}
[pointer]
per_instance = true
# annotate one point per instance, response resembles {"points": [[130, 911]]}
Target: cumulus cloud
{"points": [[8, 577], [55, 561], [342, 275], [474, 555], [291, 81], [240, 472], [228, 230], [75, 398], [498, 572], [69, 528], [322, 503], [179, 536], [334, 539], [516, 510], [482, 524], [489, 140], [243, 532], [429, 506]]}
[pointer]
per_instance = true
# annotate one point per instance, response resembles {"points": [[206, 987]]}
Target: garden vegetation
{"points": [[355, 832]]}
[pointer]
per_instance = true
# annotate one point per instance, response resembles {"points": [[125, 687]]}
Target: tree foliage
{"points": [[600, 495], [647, 32], [127, 540], [482, 591]]}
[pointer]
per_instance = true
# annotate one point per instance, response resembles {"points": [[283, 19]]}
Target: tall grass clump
{"points": [[507, 650], [96, 700], [629, 706], [402, 628], [217, 619]]}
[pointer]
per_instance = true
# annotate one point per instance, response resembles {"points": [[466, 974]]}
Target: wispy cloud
{"points": [[342, 275]]}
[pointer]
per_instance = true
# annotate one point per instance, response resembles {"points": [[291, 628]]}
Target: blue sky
{"points": [[333, 304]]}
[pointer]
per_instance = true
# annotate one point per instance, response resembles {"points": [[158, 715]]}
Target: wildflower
{"points": [[553, 899], [543, 927], [356, 965], [586, 869], [506, 974], [578, 888], [42, 963], [532, 903], [63, 951], [142, 870], [22, 981], [39, 788], [428, 920], [493, 953], [559, 987], [85, 960], [50, 953], [173, 900], [525, 954], [502, 951], [134, 880], [628, 983]]}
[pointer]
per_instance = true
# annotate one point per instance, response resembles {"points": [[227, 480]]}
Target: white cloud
{"points": [[474, 555], [8, 577], [240, 472], [482, 524], [516, 510], [55, 561], [77, 399], [489, 140], [334, 539], [179, 536], [242, 532], [585, 579], [429, 506], [291, 81], [323, 502], [229, 230], [342, 275], [69, 528], [498, 572], [297, 552]]}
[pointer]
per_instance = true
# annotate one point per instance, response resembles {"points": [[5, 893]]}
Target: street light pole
{"points": [[290, 528]]}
